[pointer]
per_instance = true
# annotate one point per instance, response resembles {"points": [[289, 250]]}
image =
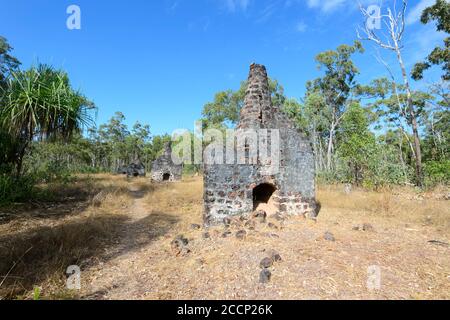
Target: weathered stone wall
{"points": [[163, 168], [136, 169], [228, 188]]}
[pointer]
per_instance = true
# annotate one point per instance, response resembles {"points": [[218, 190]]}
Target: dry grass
{"points": [[122, 241], [399, 205], [37, 245]]}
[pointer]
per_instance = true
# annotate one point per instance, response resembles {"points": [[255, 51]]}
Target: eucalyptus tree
{"points": [[224, 111], [357, 143], [440, 13], [390, 37], [336, 87], [392, 103], [310, 117], [8, 63]]}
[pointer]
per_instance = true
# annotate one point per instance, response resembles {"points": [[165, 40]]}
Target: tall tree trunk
{"points": [[402, 161], [330, 147], [315, 147], [413, 116]]}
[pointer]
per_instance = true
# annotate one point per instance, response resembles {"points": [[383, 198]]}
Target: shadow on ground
{"points": [[29, 257]]}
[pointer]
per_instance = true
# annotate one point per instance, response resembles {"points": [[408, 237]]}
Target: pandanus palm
{"points": [[39, 104]]}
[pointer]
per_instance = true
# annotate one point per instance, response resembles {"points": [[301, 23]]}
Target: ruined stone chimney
{"points": [[240, 188], [257, 109]]}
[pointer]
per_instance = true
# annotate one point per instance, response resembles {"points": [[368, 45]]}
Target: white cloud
{"points": [[328, 6], [416, 12], [301, 27], [267, 12], [234, 5], [325, 5]]}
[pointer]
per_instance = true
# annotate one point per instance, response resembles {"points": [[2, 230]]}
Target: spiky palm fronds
{"points": [[40, 104]]}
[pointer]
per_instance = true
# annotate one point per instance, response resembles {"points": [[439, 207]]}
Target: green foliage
{"points": [[357, 143], [331, 95], [339, 78], [437, 172], [40, 104], [8, 63], [36, 294], [294, 110], [113, 144], [390, 102], [15, 189], [436, 143], [225, 110], [440, 13], [384, 168]]}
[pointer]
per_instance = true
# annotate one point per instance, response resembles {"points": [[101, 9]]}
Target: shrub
{"points": [[15, 189], [437, 172]]}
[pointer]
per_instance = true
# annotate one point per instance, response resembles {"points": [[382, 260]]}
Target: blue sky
{"points": [[160, 61]]}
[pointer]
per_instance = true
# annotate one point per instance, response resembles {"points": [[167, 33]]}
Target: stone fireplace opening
{"points": [[263, 194], [166, 176]]}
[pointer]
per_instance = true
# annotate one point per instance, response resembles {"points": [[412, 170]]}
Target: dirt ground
{"points": [[120, 234]]}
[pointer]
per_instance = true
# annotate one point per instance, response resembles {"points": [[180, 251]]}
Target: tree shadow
{"points": [[68, 201], [32, 256], [65, 201]]}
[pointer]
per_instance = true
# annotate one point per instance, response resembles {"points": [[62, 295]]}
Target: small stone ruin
{"points": [[122, 170], [136, 169], [239, 189], [164, 169]]}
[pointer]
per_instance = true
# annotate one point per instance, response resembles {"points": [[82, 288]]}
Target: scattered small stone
{"points": [[226, 234], [260, 216], [271, 235], [368, 227], [265, 276], [206, 235], [243, 218], [266, 263], [276, 256], [348, 188], [227, 221], [329, 236], [250, 224], [181, 240], [279, 217], [179, 245], [236, 222], [195, 226], [272, 226], [355, 228], [241, 235]]}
